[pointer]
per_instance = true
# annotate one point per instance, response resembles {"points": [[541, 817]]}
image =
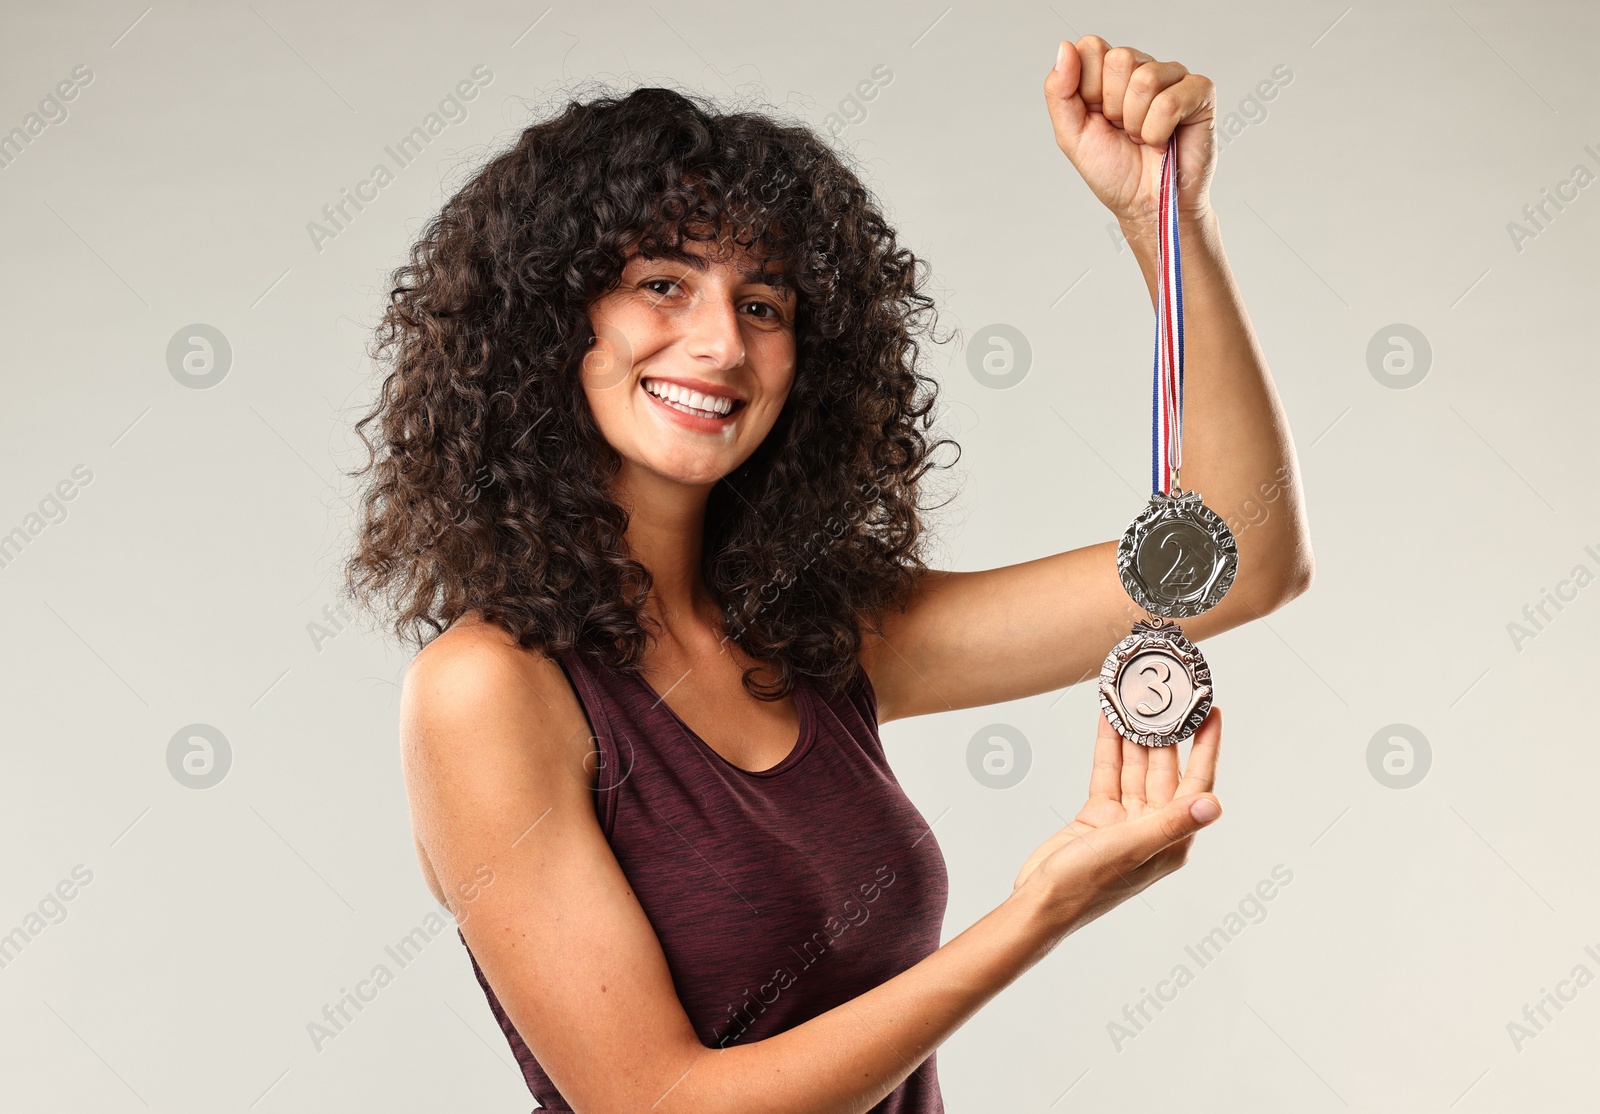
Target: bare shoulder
{"points": [[473, 678], [482, 655], [487, 727]]}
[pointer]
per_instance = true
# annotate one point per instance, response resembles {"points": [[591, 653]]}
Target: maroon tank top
{"points": [[776, 895]]}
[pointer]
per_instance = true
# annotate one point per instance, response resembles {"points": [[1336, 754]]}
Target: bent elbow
{"points": [[1291, 582], [1299, 583]]}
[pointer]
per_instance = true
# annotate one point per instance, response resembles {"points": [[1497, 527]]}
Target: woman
{"points": [[651, 455]]}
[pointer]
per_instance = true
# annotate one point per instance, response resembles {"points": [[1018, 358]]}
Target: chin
{"points": [[692, 472]]}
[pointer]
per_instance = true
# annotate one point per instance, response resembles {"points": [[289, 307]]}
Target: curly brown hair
{"points": [[489, 486]]}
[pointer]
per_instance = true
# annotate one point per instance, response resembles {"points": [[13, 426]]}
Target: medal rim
{"points": [[1157, 633], [1178, 504]]}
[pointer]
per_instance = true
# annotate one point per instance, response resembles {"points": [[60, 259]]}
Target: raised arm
{"points": [[493, 742], [973, 638]]}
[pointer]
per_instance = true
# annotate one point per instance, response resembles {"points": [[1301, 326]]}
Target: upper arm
{"points": [[966, 639], [494, 747]]}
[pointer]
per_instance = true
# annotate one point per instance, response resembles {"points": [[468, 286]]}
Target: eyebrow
{"points": [[756, 275]]}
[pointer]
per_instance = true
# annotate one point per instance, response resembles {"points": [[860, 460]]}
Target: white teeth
{"points": [[690, 402]]}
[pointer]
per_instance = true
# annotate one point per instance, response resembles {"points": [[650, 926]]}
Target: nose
{"points": [[714, 336]]}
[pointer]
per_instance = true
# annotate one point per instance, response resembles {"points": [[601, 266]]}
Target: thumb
{"points": [[1068, 113], [1176, 820]]}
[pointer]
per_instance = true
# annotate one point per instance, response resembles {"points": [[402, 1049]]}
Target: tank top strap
{"points": [[598, 692]]}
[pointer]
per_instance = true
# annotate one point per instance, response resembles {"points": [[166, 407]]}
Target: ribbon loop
{"points": [[1166, 391]]}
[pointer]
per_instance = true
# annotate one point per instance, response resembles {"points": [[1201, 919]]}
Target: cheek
{"points": [[609, 361], [611, 408], [778, 367], [602, 405], [606, 374]]}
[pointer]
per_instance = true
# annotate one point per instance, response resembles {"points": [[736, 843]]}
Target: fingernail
{"points": [[1061, 58], [1205, 810]]}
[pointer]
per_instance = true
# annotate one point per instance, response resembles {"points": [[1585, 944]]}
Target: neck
{"points": [[666, 530]]}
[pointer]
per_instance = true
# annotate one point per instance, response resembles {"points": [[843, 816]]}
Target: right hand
{"points": [[1135, 827]]}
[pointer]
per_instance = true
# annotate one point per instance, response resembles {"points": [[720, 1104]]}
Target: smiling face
{"points": [[693, 361]]}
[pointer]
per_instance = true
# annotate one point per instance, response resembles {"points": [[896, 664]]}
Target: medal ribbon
{"points": [[1166, 391]]}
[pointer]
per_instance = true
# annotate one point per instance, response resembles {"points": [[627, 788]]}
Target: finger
{"points": [[1135, 763], [1063, 99], [1092, 56], [1201, 772], [1146, 83], [1120, 62], [1161, 781], [1192, 99], [1106, 778], [1135, 842]]}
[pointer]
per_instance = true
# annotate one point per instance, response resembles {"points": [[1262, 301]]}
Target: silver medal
{"points": [[1155, 685], [1177, 558]]}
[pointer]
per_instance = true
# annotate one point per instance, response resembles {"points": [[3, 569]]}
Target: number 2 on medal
{"points": [[1158, 686], [1166, 577]]}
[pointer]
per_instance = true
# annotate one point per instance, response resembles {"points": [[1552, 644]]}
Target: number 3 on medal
{"points": [[1160, 686]]}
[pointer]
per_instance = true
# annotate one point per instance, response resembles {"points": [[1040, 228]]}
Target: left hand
{"points": [[1113, 110], [1127, 826]]}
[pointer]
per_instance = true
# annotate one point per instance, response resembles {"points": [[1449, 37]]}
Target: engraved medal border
{"points": [[1156, 634], [1186, 505]]}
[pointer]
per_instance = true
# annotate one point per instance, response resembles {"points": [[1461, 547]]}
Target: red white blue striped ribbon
{"points": [[1166, 391]]}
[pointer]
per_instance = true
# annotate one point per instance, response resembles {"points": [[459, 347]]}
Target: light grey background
{"points": [[1376, 188]]}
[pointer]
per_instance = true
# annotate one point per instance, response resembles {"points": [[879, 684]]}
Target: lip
{"points": [[691, 421]]}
